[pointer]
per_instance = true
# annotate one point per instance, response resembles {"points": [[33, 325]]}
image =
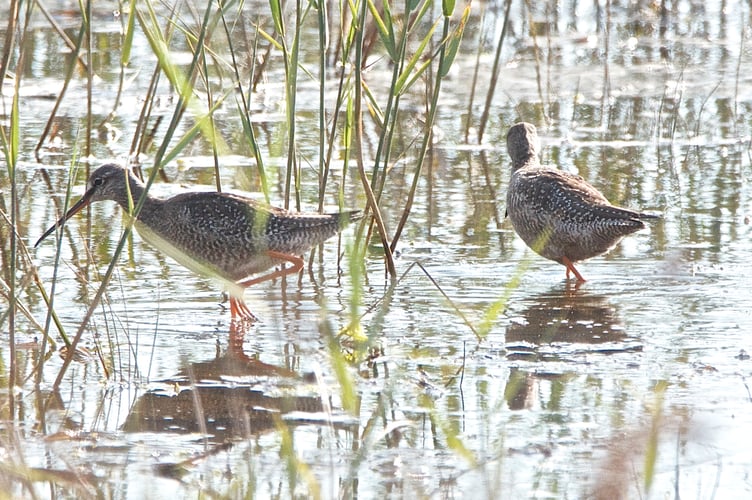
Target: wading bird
{"points": [[557, 214], [220, 235]]}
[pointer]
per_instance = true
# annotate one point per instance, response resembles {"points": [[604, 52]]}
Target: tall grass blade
{"points": [[385, 28], [322, 23], [428, 131], [295, 466], [497, 307], [130, 30], [66, 83], [276, 10], [184, 88], [453, 44], [453, 439], [373, 206], [243, 102], [447, 7], [340, 366], [10, 37], [11, 160], [201, 123], [411, 5], [407, 75], [651, 453], [89, 79], [494, 74], [291, 96], [182, 84], [51, 315], [479, 51]]}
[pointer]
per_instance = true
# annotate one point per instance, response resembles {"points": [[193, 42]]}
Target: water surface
{"points": [[569, 388]]}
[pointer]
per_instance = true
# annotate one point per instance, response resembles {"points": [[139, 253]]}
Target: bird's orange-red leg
{"points": [[571, 268], [297, 265], [238, 308]]}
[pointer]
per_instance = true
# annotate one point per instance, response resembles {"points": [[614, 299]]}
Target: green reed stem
{"points": [[474, 81], [347, 388], [322, 24], [396, 48], [651, 453], [89, 79], [184, 88], [290, 54], [606, 94], [66, 83], [125, 56], [513, 283], [494, 74], [296, 467], [10, 144], [184, 85], [143, 136], [330, 141], [243, 100], [358, 113], [212, 127], [51, 315], [11, 158], [397, 51], [344, 98], [291, 90], [452, 433], [347, 141], [10, 38], [447, 52]]}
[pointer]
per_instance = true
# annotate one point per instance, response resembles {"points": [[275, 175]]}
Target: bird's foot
{"points": [[570, 268], [240, 312]]}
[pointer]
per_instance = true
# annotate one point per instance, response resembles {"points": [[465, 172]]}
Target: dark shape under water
{"points": [[219, 235], [557, 214]]}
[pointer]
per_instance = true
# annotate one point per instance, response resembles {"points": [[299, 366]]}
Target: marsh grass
{"points": [[10, 142], [494, 78], [414, 48]]}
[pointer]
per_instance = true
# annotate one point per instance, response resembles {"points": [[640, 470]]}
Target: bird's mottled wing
{"points": [[570, 198]]}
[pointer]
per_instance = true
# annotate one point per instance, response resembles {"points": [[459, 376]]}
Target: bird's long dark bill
{"points": [[80, 204]]}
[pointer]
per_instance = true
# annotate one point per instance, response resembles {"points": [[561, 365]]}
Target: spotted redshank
{"points": [[219, 235], [557, 214]]}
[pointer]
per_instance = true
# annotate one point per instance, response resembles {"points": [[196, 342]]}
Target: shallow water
{"points": [[562, 397]]}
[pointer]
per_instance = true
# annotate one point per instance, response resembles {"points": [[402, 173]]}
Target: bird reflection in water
{"points": [[233, 396], [560, 325], [566, 316]]}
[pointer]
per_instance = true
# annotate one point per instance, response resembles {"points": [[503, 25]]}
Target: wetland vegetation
{"points": [[427, 352]]}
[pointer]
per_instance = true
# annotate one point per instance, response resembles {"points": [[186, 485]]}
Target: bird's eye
{"points": [[98, 181]]}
